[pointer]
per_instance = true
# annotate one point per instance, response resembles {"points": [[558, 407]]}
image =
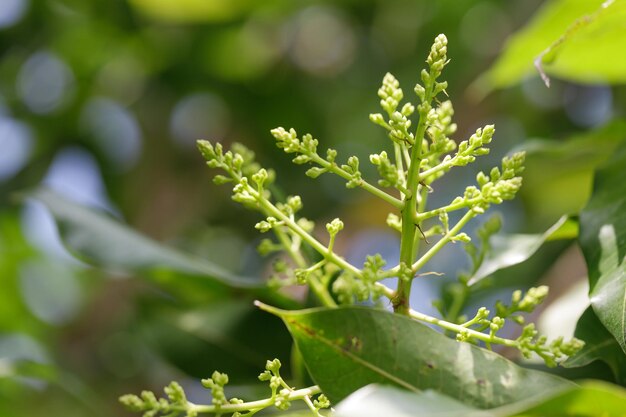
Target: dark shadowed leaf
{"points": [[603, 241], [551, 189], [600, 345], [350, 347], [229, 336], [509, 250]]}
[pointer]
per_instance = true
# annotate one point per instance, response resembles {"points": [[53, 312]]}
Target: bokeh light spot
{"points": [[45, 83], [588, 106], [50, 291], [481, 38], [114, 130], [16, 142], [11, 12], [257, 50], [322, 42], [199, 116], [75, 173]]}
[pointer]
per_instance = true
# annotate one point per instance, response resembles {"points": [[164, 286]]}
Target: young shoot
{"points": [[420, 132]]}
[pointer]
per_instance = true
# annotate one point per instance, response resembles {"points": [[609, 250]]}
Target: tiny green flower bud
{"points": [[132, 402], [314, 172], [334, 227], [377, 118], [420, 91], [221, 180]]}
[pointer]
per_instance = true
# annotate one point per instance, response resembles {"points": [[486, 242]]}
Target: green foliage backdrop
{"points": [[122, 267]]}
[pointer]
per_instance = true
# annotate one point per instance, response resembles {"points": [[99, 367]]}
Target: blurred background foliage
{"points": [[103, 101]]}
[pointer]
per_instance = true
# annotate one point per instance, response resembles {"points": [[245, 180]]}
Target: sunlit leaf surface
{"points": [[348, 348]]}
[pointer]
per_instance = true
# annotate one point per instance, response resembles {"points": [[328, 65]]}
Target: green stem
{"points": [[252, 405], [420, 217], [443, 241], [288, 246], [408, 244], [444, 165], [458, 328], [320, 290], [399, 164], [334, 168]]}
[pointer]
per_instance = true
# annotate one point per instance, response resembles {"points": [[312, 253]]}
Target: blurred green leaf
{"points": [[600, 345], [229, 336], [97, 238], [103, 241], [509, 250], [192, 11], [551, 189], [588, 51], [603, 241], [24, 359], [14, 251], [591, 399], [350, 347], [584, 39]]}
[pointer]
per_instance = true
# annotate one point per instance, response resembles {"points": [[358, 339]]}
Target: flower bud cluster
{"points": [[470, 149], [390, 94], [495, 187], [350, 289], [438, 58], [386, 169], [148, 403], [526, 304], [216, 384], [440, 127], [529, 342], [399, 123]]}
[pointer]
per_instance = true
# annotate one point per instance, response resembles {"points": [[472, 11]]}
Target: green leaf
{"points": [[600, 345], [379, 400], [513, 249], [603, 241], [96, 238], [588, 50], [551, 189], [583, 39], [591, 399], [350, 347], [230, 336], [192, 11]]}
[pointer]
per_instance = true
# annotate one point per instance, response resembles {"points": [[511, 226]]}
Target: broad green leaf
{"points": [[380, 400], [600, 345], [591, 399], [586, 43], [350, 347], [588, 50], [509, 250], [97, 238], [603, 241], [229, 336]]}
